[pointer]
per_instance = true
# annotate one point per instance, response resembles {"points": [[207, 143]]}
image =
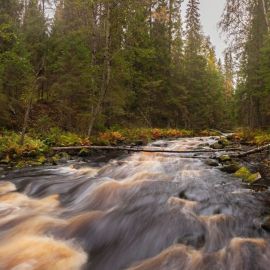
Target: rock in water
{"points": [[224, 158], [266, 224], [212, 163], [247, 175], [232, 168], [217, 146], [224, 142]]}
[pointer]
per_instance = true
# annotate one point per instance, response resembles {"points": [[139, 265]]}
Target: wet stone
{"points": [[224, 142], [217, 146], [224, 158], [160, 144], [266, 224], [212, 163], [196, 240], [182, 195], [232, 168]]}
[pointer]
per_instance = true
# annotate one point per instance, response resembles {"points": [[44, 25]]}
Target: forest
{"points": [[129, 141], [87, 66]]}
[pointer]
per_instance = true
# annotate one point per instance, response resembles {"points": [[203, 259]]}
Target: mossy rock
{"points": [[231, 168], [84, 152], [21, 164], [224, 158], [217, 146], [64, 156], [55, 159], [224, 142], [247, 176]]}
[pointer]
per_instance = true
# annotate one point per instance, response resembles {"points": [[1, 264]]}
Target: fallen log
{"points": [[140, 149], [252, 151]]}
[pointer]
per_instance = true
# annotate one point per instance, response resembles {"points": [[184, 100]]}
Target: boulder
{"points": [[55, 159], [224, 142], [204, 145], [266, 224], [224, 158], [196, 240], [232, 168], [217, 146], [246, 175], [212, 163]]}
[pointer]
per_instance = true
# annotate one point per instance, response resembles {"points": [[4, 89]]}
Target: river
{"points": [[143, 211]]}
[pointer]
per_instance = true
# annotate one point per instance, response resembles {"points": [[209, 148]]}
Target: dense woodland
{"points": [[89, 65]]}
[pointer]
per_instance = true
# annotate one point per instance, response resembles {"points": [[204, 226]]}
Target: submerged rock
{"points": [[217, 146], [204, 145], [196, 240], [266, 224], [212, 163]]}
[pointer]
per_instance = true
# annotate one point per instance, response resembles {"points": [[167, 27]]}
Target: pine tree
{"points": [[195, 66], [193, 28]]}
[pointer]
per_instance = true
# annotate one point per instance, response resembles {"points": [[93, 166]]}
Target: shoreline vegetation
{"points": [[37, 148]]}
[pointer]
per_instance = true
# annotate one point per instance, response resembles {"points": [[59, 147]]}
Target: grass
{"points": [[253, 137]]}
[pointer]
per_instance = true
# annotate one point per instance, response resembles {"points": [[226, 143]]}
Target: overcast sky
{"points": [[211, 11]]}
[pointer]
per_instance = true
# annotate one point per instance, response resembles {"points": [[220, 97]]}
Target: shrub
{"points": [[10, 147]]}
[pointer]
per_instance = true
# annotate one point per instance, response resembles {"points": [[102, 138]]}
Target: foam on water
{"points": [[144, 211]]}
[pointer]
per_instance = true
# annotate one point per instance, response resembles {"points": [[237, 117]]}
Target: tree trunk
{"points": [[266, 15], [25, 121], [93, 64], [106, 71], [141, 149], [252, 151], [171, 2]]}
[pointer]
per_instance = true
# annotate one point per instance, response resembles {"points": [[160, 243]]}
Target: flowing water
{"points": [[138, 212]]}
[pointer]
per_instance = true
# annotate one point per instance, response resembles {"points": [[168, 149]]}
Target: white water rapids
{"points": [[143, 211]]}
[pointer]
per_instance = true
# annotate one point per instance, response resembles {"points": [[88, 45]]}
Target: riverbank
{"points": [[37, 148], [253, 169]]}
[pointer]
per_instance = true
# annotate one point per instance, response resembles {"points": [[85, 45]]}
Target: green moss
{"points": [[224, 158], [55, 159], [84, 152], [224, 142], [37, 146], [65, 155], [247, 176], [257, 137], [42, 160]]}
